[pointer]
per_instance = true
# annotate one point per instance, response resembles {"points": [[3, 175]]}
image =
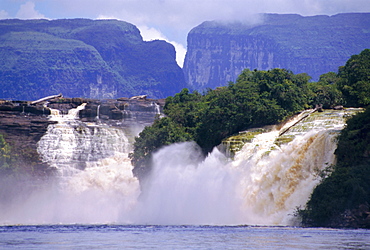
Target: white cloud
{"points": [[27, 11], [176, 17], [4, 14]]}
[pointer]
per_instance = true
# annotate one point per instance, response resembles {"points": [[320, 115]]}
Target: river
{"points": [[179, 237]]}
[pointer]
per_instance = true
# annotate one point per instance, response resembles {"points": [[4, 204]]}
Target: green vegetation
{"points": [[326, 90], [5, 156], [354, 79], [18, 159], [163, 132], [83, 58]]}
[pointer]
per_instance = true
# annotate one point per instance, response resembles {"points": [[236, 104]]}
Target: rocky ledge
{"points": [[23, 123], [22, 126]]}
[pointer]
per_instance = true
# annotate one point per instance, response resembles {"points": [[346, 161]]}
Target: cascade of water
{"points": [[71, 144], [264, 183], [97, 113], [157, 108], [95, 185], [277, 180]]}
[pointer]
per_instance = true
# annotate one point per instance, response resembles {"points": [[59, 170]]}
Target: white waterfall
{"points": [[263, 184], [98, 113], [70, 144], [95, 182], [157, 108]]}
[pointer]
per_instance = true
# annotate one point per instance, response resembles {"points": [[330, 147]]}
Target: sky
{"points": [[171, 20]]}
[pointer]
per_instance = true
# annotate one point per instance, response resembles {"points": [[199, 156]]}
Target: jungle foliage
{"points": [[354, 79], [6, 158]]}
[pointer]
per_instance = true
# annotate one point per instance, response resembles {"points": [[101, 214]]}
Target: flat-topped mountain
{"points": [[84, 58], [218, 52]]}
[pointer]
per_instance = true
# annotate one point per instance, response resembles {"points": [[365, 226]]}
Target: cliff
{"points": [[83, 58], [218, 52]]}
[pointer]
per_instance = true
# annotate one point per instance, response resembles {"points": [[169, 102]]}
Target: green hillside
{"points": [[83, 58]]}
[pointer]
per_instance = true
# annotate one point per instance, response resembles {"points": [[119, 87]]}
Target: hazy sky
{"points": [[171, 20]]}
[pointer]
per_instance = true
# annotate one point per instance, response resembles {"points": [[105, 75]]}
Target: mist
{"points": [[185, 189]]}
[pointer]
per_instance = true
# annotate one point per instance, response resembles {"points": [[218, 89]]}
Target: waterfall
{"points": [[94, 181], [157, 108], [277, 179], [98, 113], [266, 180], [70, 144], [263, 185]]}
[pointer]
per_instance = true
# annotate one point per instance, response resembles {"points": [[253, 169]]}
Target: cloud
{"points": [[27, 11], [4, 14], [176, 17]]}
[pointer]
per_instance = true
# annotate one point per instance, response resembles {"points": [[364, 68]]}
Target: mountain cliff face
{"points": [[218, 52], [83, 58]]}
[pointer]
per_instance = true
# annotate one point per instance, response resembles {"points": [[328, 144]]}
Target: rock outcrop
{"points": [[218, 52], [22, 123], [84, 58]]}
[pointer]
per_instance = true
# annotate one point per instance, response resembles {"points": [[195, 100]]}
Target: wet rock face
{"points": [[123, 112], [22, 126]]}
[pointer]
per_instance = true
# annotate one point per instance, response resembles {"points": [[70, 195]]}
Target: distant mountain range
{"points": [[218, 52], [84, 58], [109, 59]]}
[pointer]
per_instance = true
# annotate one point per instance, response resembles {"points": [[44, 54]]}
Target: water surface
{"points": [[179, 237]]}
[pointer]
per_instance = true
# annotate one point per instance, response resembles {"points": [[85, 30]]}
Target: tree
{"points": [[354, 80], [5, 156], [326, 91]]}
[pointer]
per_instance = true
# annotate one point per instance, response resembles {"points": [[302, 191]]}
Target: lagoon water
{"points": [[179, 237]]}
